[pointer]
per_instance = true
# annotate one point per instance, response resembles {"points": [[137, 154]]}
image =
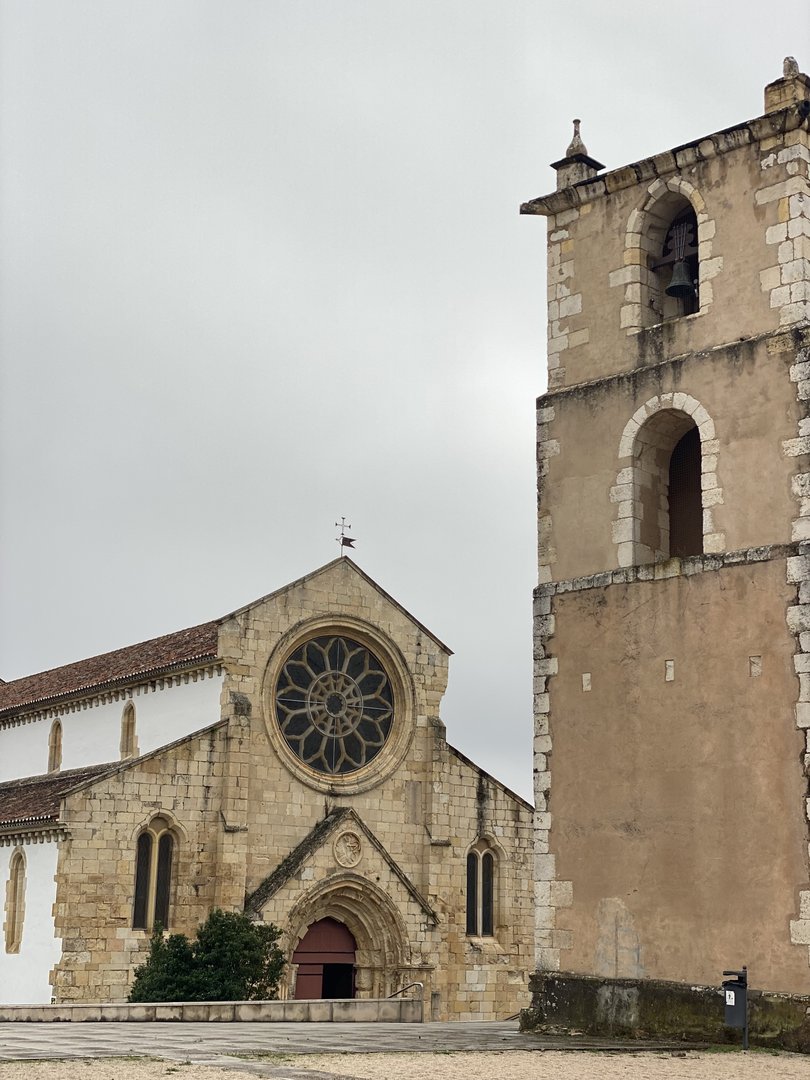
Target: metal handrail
{"points": [[404, 988]]}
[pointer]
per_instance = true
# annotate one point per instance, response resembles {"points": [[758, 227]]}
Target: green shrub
{"points": [[231, 959]]}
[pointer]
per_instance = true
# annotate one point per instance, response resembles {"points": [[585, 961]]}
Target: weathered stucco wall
{"points": [[677, 796], [745, 389], [24, 975], [165, 709]]}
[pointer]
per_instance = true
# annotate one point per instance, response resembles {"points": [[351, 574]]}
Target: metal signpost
{"points": [[736, 995]]}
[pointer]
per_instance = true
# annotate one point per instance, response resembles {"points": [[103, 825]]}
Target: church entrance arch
{"points": [[368, 918], [325, 957]]}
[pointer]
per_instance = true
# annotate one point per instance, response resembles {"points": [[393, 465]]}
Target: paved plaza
{"points": [[223, 1044]]}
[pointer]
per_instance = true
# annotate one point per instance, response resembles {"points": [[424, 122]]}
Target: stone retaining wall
{"points": [[368, 1010], [564, 1003]]}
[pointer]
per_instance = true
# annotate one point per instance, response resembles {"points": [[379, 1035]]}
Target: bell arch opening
{"points": [[668, 266], [674, 283]]}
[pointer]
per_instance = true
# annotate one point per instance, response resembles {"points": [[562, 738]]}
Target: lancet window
{"points": [[154, 857]]}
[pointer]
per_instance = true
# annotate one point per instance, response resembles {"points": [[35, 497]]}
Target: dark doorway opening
{"points": [[325, 957], [338, 981], [685, 500]]}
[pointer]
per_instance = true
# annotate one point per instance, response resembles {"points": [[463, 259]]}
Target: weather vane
{"points": [[344, 540]]}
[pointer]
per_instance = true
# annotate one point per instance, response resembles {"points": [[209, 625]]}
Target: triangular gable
{"points": [[342, 560], [134, 762], [312, 842], [187, 648]]}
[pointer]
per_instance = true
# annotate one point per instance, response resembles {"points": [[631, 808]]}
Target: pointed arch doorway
{"points": [[326, 957]]}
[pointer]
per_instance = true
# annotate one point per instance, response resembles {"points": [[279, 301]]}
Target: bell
{"points": [[681, 284]]}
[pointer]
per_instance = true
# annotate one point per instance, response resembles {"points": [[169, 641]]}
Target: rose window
{"points": [[334, 704]]}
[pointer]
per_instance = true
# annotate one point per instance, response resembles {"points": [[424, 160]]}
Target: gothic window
{"points": [[15, 902], [129, 743], [480, 891], [154, 856], [55, 747]]}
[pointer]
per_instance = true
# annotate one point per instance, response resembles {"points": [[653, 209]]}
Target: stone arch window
{"points": [[15, 902], [55, 747], [667, 490], [129, 741], [480, 894], [154, 858], [670, 227]]}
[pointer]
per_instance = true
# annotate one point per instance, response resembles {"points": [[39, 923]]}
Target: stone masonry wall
{"points": [[417, 798], [96, 868]]}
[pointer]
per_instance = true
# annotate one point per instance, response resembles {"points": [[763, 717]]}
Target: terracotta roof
{"points": [[35, 800], [150, 657]]}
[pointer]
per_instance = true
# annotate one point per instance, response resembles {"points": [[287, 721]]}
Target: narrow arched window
{"points": [[487, 893], [55, 747], [129, 743], [15, 902], [143, 868], [472, 892], [667, 496], [481, 871], [163, 879], [154, 856], [684, 497]]}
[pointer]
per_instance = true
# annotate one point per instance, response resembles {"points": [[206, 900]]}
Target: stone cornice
{"points": [[784, 341], [675, 567], [31, 833], [670, 161], [90, 699]]}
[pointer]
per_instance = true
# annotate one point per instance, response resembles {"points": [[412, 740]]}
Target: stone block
{"points": [[800, 931], [545, 867], [798, 568]]}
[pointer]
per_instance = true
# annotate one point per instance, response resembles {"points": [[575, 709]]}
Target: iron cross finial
{"points": [[344, 540]]}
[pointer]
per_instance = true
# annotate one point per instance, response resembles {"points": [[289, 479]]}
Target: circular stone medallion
{"points": [[334, 704], [348, 849]]}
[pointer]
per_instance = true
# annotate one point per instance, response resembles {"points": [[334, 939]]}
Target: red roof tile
{"points": [[150, 657], [35, 800]]}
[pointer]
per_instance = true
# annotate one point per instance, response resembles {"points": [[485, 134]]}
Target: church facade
{"points": [[287, 760], [672, 618]]}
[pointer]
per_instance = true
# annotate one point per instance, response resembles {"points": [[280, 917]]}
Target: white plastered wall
{"points": [[24, 975], [92, 735]]}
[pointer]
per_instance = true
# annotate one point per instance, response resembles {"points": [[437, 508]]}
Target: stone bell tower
{"points": [[672, 615]]}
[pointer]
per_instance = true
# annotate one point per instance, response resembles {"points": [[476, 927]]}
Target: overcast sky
{"points": [[261, 266]]}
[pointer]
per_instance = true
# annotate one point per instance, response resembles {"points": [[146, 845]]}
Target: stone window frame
{"points": [[626, 526], [128, 745], [15, 901], [55, 747], [150, 873], [646, 230], [481, 917]]}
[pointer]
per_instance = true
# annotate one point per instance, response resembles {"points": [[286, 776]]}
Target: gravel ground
{"points": [[507, 1065]]}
